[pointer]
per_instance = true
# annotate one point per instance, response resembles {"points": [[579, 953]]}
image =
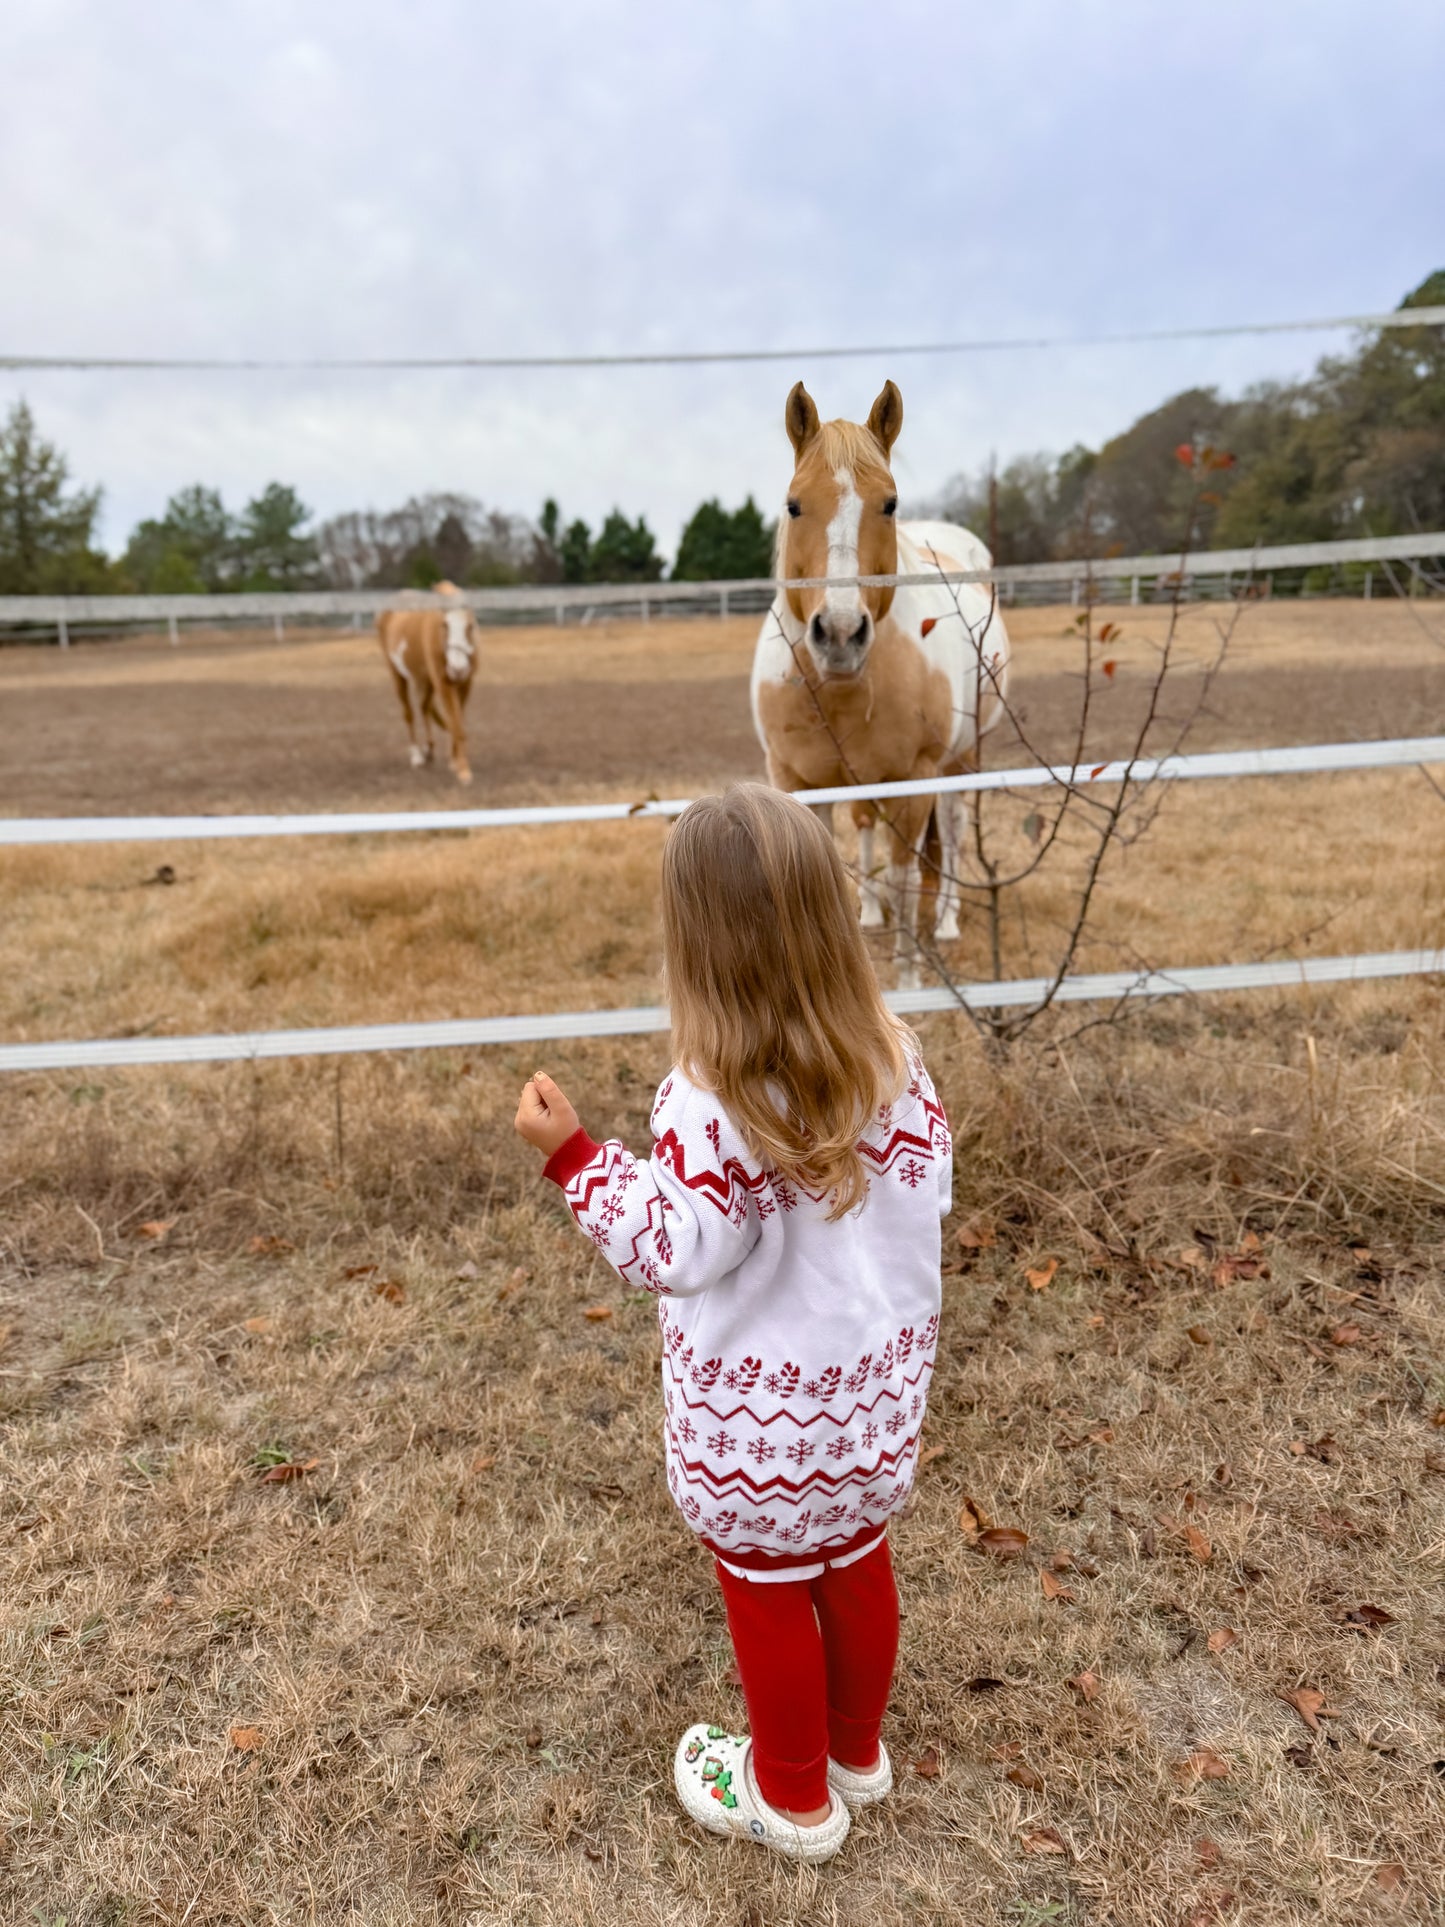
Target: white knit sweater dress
{"points": [[796, 1354]]}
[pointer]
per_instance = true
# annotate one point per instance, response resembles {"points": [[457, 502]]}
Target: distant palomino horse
{"points": [[432, 655], [876, 685]]}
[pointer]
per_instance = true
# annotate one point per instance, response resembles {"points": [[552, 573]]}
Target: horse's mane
{"points": [[850, 445]]}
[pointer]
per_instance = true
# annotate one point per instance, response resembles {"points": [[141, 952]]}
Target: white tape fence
{"points": [[1119, 986], [1121, 578], [1408, 751]]}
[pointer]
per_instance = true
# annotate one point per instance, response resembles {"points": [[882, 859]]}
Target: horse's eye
{"points": [[890, 505], [795, 507]]}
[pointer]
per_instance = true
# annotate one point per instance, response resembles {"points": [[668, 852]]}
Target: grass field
{"points": [[435, 1677]]}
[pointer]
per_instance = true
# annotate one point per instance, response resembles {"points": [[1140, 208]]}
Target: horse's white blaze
{"points": [[844, 605], [458, 645]]}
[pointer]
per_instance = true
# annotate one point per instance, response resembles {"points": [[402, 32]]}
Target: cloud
{"points": [[447, 177]]}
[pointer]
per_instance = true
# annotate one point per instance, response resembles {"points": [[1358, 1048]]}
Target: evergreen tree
{"points": [[718, 546], [274, 551], [189, 550], [575, 552], [46, 533], [624, 552]]}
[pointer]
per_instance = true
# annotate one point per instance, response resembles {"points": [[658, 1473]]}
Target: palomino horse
{"points": [[432, 655], [876, 685]]}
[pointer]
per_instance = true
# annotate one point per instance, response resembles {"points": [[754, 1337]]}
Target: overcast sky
{"points": [[444, 176]]}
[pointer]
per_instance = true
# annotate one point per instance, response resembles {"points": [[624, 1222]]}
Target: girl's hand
{"points": [[545, 1117]]}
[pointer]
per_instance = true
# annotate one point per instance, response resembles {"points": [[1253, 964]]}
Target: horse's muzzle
{"points": [[840, 646]]}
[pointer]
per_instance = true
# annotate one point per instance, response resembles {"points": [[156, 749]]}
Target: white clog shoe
{"points": [[857, 1790], [713, 1773]]}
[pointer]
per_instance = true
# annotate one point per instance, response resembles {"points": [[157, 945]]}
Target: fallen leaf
{"points": [[259, 1327], [388, 1288], [268, 1245], [1054, 1588], [1103, 1436], [1022, 1774], [977, 1236], [467, 1271], [247, 1739], [1256, 1321], [1208, 1853], [1390, 1877], [1205, 1764], [1221, 1639], [1199, 1335], [1006, 1750], [972, 1519], [360, 1271], [1086, 1685], [1299, 1756], [1194, 1258], [292, 1469], [154, 1228], [1044, 1840], [1044, 1276], [1223, 1475], [1374, 1616], [1309, 1703], [1346, 1335], [515, 1280], [1109, 667], [484, 1461], [1233, 1265], [534, 1737], [597, 1313], [1199, 1546], [1062, 1560], [926, 1766], [931, 1453], [1003, 1542], [983, 1683], [594, 1854], [1438, 1418]]}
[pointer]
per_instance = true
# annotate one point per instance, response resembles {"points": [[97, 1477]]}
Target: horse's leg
{"points": [[429, 716], [907, 826], [869, 898], [950, 814], [452, 700], [403, 691], [952, 823]]}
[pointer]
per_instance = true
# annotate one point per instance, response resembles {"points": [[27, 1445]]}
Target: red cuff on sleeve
{"points": [[570, 1158]]}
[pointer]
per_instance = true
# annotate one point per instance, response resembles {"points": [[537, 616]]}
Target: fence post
{"points": [[644, 609], [280, 627], [63, 628], [1074, 592], [1134, 591], [1369, 579], [175, 629], [559, 609], [723, 604]]}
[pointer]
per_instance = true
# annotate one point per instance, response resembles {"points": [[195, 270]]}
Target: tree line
{"points": [[1356, 448]]}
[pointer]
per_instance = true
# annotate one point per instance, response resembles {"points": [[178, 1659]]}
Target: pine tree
{"points": [[46, 534]]}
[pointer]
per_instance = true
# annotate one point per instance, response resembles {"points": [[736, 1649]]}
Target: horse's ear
{"points": [[801, 416], [885, 417]]}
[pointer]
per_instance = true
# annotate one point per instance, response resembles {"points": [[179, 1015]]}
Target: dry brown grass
{"points": [[468, 1637]]}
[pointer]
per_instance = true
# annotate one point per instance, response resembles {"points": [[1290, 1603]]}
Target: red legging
{"points": [[816, 1659]]}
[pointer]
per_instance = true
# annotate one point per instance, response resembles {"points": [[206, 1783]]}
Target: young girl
{"points": [[788, 1225]]}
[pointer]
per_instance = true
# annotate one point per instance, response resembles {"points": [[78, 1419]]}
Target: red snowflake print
{"points": [[758, 1450], [766, 1207], [895, 1425], [782, 1383], [870, 1434], [714, 1135], [786, 1196], [912, 1173], [685, 1429], [916, 1407], [599, 1235], [721, 1442], [841, 1447], [884, 1367], [800, 1450], [858, 1377], [612, 1210]]}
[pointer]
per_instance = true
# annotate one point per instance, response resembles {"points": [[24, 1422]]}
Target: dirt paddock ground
{"points": [[433, 1673]]}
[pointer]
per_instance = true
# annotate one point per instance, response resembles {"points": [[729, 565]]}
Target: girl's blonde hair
{"points": [[775, 1006]]}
